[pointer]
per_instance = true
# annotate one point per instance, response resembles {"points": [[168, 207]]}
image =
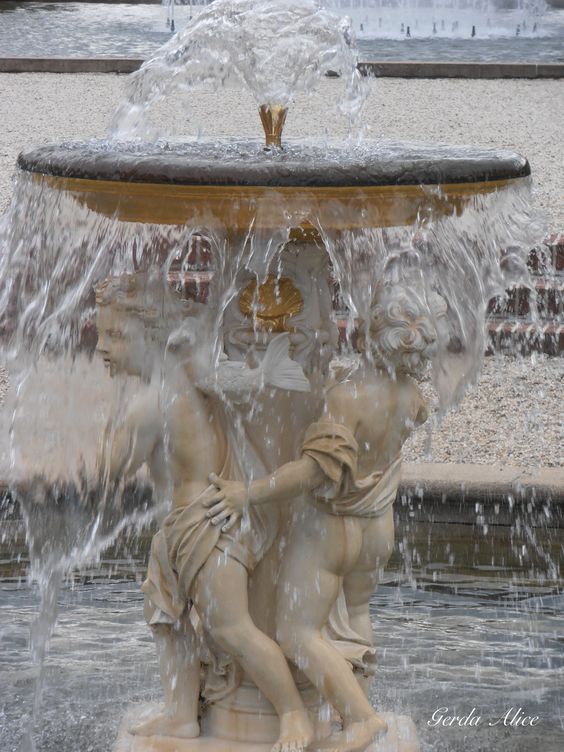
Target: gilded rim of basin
{"points": [[266, 207], [236, 185]]}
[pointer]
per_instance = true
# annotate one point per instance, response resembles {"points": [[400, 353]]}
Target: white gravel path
{"points": [[514, 415]]}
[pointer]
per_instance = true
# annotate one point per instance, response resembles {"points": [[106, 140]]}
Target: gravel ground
{"points": [[514, 414]]}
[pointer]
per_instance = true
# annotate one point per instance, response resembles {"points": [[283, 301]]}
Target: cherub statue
{"points": [[179, 432], [349, 471]]}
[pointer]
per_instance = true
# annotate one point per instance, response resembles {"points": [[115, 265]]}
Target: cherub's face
{"points": [[408, 343], [122, 342]]}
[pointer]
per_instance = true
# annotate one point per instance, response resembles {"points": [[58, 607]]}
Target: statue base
{"points": [[400, 737]]}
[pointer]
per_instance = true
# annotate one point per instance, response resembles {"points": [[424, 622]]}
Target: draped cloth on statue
{"points": [[178, 552], [357, 501], [355, 648], [335, 449]]}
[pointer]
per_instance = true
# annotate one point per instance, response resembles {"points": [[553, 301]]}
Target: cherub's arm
{"points": [[127, 446], [287, 482]]}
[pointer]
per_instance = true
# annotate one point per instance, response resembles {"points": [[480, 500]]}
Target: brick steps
{"points": [[524, 336], [548, 258], [513, 324], [520, 301]]}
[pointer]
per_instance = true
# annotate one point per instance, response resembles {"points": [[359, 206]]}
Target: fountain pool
{"points": [[497, 652], [126, 30]]}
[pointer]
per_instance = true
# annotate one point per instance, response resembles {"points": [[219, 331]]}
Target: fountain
{"points": [[454, 19], [264, 310]]}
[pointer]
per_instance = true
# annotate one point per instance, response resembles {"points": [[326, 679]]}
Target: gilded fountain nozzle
{"points": [[273, 117]]}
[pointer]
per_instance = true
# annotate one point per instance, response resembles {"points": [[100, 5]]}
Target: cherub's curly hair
{"points": [[401, 333], [147, 296]]}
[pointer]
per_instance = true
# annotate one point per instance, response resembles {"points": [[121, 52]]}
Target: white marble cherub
{"points": [[180, 433], [349, 471]]}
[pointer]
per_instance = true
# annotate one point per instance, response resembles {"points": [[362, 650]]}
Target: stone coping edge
{"points": [[469, 481], [69, 65], [415, 69], [388, 69], [481, 482]]}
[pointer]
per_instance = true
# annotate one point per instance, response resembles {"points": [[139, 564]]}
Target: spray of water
{"points": [[277, 50], [443, 19]]}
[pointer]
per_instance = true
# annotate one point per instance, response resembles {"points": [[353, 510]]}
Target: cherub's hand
{"points": [[227, 503]]}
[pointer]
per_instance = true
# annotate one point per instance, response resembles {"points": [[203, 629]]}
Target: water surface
{"points": [[473, 642], [40, 29]]}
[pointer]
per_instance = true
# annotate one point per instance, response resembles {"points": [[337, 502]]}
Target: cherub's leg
{"points": [[358, 587], [360, 584], [308, 588], [220, 597], [180, 678]]}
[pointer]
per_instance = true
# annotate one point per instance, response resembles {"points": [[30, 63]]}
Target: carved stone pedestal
{"points": [[246, 716], [244, 720], [401, 735]]}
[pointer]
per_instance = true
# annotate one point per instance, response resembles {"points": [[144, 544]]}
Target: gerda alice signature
{"points": [[513, 717]]}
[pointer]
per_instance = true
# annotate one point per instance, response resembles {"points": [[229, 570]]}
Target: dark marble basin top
{"points": [[247, 163]]}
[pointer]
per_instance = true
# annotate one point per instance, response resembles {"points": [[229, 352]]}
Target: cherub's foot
{"points": [[165, 725], [296, 732], [355, 737]]}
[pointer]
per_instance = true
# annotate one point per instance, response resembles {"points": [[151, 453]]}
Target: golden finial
{"points": [[273, 117]]}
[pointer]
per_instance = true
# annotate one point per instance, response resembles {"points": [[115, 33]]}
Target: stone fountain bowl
{"points": [[239, 183]]}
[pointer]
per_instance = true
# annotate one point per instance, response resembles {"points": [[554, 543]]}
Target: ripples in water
{"points": [[121, 30], [478, 650]]}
